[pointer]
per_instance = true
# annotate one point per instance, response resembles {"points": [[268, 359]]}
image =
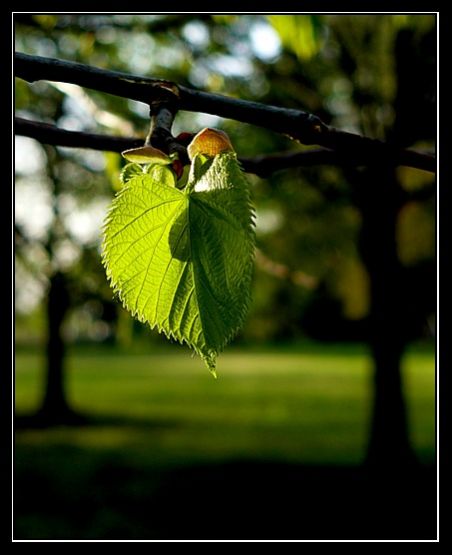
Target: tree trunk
{"points": [[55, 408], [379, 201], [389, 442]]}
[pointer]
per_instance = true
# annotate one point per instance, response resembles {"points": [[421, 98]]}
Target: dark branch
{"points": [[265, 165], [51, 135], [299, 125], [296, 123], [259, 165], [262, 166], [160, 136], [143, 89]]}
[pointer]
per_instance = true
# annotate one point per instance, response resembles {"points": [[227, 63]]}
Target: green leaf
{"points": [[163, 174], [181, 260], [129, 171]]}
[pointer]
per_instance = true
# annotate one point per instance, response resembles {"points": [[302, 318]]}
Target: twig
{"points": [[160, 136], [262, 166], [299, 125], [49, 134], [259, 165]]}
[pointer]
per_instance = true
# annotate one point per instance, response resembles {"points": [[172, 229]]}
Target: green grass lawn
{"points": [[307, 406], [168, 449]]}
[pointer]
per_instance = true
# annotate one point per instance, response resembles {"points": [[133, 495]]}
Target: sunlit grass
{"points": [[309, 407]]}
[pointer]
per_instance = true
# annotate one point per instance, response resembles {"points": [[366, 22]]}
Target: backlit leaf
{"points": [[181, 260]]}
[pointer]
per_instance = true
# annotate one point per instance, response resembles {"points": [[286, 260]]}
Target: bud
{"points": [[146, 155], [209, 142]]}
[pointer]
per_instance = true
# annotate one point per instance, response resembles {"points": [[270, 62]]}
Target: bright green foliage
{"points": [[159, 172], [181, 260], [129, 171], [298, 33]]}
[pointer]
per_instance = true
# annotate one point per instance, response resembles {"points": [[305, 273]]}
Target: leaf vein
{"points": [[142, 214]]}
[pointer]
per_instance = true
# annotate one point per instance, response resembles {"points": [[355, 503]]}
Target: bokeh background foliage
{"points": [[120, 435]]}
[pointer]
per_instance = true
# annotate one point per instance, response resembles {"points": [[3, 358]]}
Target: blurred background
{"points": [[322, 422]]}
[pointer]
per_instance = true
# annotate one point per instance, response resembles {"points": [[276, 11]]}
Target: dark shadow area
{"points": [[42, 420], [269, 501], [233, 500], [36, 421]]}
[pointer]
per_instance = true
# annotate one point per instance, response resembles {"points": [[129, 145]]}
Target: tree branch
{"points": [[160, 136], [143, 89], [299, 125], [51, 135], [263, 165]]}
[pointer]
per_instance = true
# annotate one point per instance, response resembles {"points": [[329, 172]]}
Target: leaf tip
{"points": [[210, 361]]}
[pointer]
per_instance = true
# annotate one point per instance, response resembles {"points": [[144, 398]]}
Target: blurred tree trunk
{"points": [[380, 203], [55, 407], [379, 197]]}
